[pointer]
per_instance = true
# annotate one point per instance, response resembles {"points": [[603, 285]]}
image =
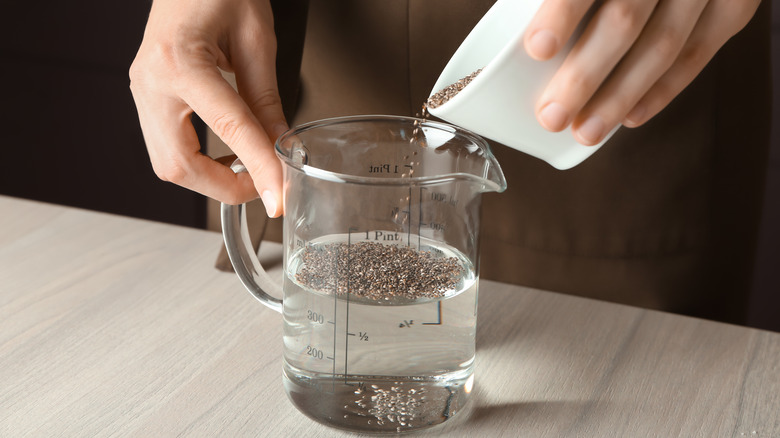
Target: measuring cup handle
{"points": [[242, 254]]}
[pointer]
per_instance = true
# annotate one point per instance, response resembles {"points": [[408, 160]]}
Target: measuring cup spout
{"points": [[492, 177], [469, 160]]}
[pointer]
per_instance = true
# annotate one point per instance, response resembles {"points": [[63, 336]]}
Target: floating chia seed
{"points": [[377, 271], [444, 95]]}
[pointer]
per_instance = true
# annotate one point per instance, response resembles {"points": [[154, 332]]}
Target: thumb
{"points": [[254, 64]]}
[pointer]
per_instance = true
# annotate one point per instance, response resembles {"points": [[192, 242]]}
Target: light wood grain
{"points": [[111, 326]]}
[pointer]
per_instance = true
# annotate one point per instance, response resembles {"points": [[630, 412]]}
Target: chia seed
{"points": [[444, 95], [394, 405], [378, 271]]}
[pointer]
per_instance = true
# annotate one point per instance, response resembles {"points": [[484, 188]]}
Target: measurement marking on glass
{"points": [[409, 209], [420, 220], [363, 335], [439, 321], [409, 225], [335, 326], [349, 292]]}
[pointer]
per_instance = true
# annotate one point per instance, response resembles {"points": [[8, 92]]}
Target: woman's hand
{"points": [[177, 71], [632, 59]]}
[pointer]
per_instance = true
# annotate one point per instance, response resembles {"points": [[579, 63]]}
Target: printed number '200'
{"points": [[313, 352]]}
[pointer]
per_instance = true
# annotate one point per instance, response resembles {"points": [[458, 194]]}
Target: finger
{"points": [[649, 58], [213, 174], [553, 25], [226, 160], [606, 39], [220, 107], [719, 21], [253, 57], [174, 150]]}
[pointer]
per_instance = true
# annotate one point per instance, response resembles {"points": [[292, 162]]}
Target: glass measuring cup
{"points": [[381, 268]]}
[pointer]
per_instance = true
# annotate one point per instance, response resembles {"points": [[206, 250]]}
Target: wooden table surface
{"points": [[111, 326]]}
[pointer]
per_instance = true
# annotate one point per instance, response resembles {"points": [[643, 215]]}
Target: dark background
{"points": [[70, 134], [70, 129]]}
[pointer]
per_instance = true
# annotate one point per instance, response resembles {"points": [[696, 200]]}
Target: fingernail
{"points": [[542, 45], [270, 203], [592, 130], [635, 116], [553, 117]]}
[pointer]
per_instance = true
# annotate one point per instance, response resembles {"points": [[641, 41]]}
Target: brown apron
{"points": [[664, 216]]}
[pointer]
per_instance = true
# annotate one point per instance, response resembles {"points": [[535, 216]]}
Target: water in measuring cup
{"points": [[380, 364]]}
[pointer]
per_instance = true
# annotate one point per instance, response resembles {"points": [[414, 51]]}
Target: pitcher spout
{"points": [[469, 157], [492, 178]]}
